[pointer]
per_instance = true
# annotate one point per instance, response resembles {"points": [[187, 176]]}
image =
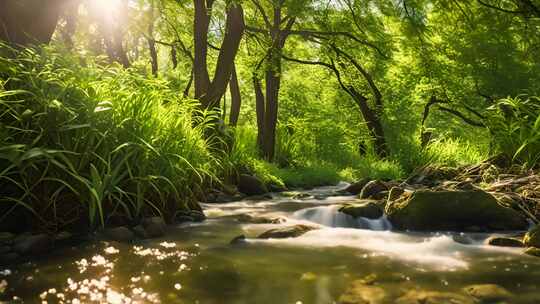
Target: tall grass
{"points": [[81, 144], [515, 127]]}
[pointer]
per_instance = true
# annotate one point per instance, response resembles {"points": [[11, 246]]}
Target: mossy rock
{"points": [[488, 293], [533, 251], [433, 297], [426, 210], [286, 232], [532, 238], [360, 293], [502, 241], [356, 188], [368, 209]]}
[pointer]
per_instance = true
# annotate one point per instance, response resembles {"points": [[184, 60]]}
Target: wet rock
{"points": [[532, 238], [488, 293], [296, 195], [33, 245], [9, 258], [246, 218], [198, 216], [182, 218], [277, 188], [120, 234], [154, 226], [533, 251], [425, 210], [251, 185], [356, 188], [462, 239], [140, 232], [501, 241], [219, 198], [239, 240], [433, 297], [286, 232], [368, 210], [373, 190], [360, 293]]}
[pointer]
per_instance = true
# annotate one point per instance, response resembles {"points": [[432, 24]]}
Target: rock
{"points": [[425, 210], [488, 293], [296, 195], [251, 185], [9, 258], [373, 189], [501, 241], [356, 188], [120, 234], [532, 238], [360, 293], [246, 218], [34, 245], [533, 251], [154, 226], [261, 197], [368, 210], [181, 218], [239, 240], [140, 232], [277, 188], [433, 297], [462, 239], [286, 232], [198, 216]]}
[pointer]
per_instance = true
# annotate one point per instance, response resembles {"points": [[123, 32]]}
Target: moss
{"points": [[452, 210]]}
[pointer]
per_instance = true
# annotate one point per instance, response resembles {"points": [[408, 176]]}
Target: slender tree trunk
{"points": [[25, 22], [200, 64], [174, 57], [372, 121], [152, 42], [71, 11], [259, 107], [236, 99], [234, 30]]}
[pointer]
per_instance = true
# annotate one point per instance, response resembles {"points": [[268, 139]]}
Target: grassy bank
{"points": [[82, 145]]}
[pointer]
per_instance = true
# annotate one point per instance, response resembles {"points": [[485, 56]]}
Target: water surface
{"points": [[195, 263]]}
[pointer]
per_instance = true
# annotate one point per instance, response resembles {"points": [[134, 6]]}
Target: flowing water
{"points": [[195, 263]]}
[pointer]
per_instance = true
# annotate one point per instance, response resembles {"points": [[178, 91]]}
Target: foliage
{"points": [[101, 142], [515, 127]]}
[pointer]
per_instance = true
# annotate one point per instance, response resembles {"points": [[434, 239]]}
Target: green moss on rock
{"points": [[452, 211]]}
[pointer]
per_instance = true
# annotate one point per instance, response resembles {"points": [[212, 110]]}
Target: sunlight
{"points": [[106, 6]]}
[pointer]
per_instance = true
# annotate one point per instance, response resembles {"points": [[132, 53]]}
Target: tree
{"points": [[25, 22], [209, 92]]}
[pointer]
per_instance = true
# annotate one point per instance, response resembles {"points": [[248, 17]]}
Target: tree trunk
{"points": [[236, 99], [152, 42], [373, 122], [70, 16], [25, 22], [200, 34], [259, 108]]}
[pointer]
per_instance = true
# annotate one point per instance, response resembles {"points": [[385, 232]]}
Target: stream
{"points": [[195, 263]]}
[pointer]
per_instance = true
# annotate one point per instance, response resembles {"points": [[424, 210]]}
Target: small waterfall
{"points": [[330, 216]]}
